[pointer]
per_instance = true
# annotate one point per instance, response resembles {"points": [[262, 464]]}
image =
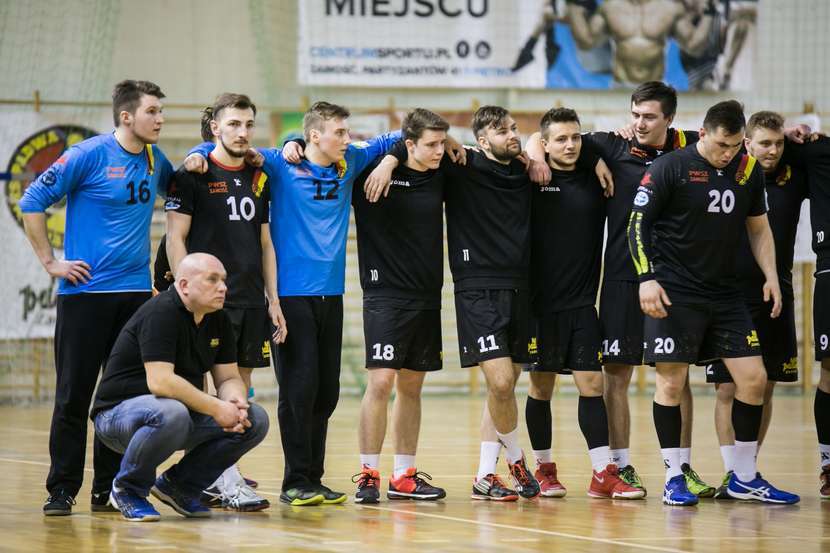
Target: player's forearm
{"points": [[35, 225], [763, 249], [173, 386], [534, 147], [176, 251], [269, 273], [231, 388]]}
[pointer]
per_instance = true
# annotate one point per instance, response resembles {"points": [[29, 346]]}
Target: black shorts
{"points": [[621, 320], [494, 324], [821, 315], [253, 328], [694, 333], [779, 345], [401, 338], [569, 341]]}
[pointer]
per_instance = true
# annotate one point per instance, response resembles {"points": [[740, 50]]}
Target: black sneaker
{"points": [[301, 497], [331, 497], [100, 503], [491, 488], [368, 484], [722, 493], [523, 479], [411, 485], [211, 497], [59, 504]]}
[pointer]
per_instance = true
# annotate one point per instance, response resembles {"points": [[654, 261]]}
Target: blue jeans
{"points": [[148, 430]]}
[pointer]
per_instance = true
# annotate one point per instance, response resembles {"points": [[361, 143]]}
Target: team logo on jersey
{"points": [[752, 340], [641, 198], [784, 175], [698, 176], [220, 187], [342, 166], [266, 350], [115, 172], [646, 180], [41, 153], [237, 182], [532, 348], [790, 366], [638, 152], [214, 342], [362, 144]]}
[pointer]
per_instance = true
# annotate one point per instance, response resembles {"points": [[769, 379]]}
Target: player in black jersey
{"points": [[786, 189], [400, 246], [488, 236], [689, 214], [568, 219], [224, 212], [814, 158], [653, 106]]}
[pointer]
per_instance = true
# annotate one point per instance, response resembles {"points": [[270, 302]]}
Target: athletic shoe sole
{"points": [[338, 501], [397, 496], [103, 509], [674, 503], [145, 518], [57, 512], [297, 502], [366, 500], [248, 508], [167, 500], [753, 497], [553, 493], [618, 495], [489, 498]]}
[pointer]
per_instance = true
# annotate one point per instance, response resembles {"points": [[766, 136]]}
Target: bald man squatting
{"points": [[150, 404]]}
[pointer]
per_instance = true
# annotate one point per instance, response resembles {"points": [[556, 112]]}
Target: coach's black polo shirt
{"points": [[163, 330]]}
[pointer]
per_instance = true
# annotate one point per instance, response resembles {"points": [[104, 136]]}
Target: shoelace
{"points": [[496, 481], [416, 476], [694, 476], [364, 479], [520, 472], [59, 495], [242, 492], [549, 472]]}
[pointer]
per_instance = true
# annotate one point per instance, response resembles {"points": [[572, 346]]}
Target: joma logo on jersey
{"points": [[218, 187], [550, 189], [791, 366], [266, 350], [532, 348], [752, 340], [237, 182]]}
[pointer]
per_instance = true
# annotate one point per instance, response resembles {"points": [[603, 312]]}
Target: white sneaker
{"points": [[243, 498]]}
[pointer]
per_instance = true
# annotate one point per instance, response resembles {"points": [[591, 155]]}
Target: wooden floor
{"points": [[449, 452]]}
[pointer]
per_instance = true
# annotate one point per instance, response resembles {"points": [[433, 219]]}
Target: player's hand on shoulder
{"points": [[626, 132], [799, 134], [378, 181], [538, 171], [292, 152], [73, 270], [653, 299], [606, 178], [455, 150], [195, 163], [254, 158]]}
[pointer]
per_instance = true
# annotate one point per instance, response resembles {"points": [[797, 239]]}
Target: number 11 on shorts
{"points": [[487, 343]]}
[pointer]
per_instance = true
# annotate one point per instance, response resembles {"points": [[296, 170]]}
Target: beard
{"points": [[506, 152], [237, 152]]}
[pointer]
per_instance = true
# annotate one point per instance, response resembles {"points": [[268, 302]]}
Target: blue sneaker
{"points": [[759, 490], [167, 492], [677, 493], [133, 507]]}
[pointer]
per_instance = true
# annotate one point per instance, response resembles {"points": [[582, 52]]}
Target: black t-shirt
{"points": [[228, 208], [628, 161], [161, 267], [786, 189], [567, 231], [814, 158], [400, 238], [488, 223], [163, 330], [688, 220]]}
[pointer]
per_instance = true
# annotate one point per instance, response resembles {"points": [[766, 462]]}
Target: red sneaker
{"points": [[368, 485], [411, 485], [824, 492], [608, 485], [550, 484]]}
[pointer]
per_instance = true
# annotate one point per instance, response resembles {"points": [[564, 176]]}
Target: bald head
{"points": [[200, 281]]}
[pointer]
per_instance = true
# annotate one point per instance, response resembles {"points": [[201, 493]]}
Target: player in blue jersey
{"points": [[309, 225], [109, 182]]}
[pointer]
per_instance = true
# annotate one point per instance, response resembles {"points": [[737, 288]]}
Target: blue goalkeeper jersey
{"points": [[310, 215], [110, 194]]}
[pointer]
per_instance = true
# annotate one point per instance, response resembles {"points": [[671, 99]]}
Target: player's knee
{"points": [[672, 389], [172, 415], [541, 385], [725, 392], [409, 389], [259, 423], [501, 387], [380, 384]]}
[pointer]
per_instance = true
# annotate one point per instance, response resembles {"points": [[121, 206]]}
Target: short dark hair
{"points": [[419, 120], [223, 101], [557, 115], [765, 120], [320, 112], [488, 116], [728, 115], [126, 96], [657, 91]]}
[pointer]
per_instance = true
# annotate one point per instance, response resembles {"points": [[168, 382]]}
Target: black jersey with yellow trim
{"points": [[628, 161], [687, 221]]}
